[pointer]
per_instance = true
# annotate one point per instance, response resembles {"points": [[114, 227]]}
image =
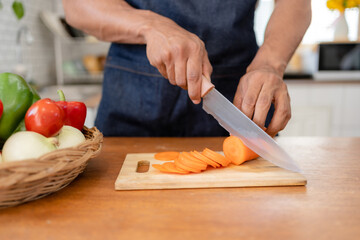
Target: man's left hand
{"points": [[256, 91]]}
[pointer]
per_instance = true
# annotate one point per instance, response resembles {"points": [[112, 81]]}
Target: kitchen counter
{"points": [[321, 82], [89, 208]]}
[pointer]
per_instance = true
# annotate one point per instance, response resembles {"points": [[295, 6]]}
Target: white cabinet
{"points": [[323, 109]]}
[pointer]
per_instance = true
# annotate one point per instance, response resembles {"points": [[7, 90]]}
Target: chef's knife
{"points": [[239, 125]]}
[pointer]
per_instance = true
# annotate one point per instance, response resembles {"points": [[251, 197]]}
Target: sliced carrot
{"points": [[180, 165], [216, 157], [166, 156], [188, 157], [190, 163], [158, 167], [181, 169], [235, 150], [171, 167], [205, 159]]}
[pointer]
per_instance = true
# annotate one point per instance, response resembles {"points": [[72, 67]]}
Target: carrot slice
{"points": [[166, 156], [188, 157], [189, 163], [235, 150], [216, 157], [180, 165], [158, 167], [205, 159], [171, 168]]}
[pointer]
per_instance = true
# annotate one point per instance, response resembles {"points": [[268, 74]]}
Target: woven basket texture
{"points": [[24, 181]]}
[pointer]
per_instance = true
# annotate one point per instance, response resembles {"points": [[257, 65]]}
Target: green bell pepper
{"points": [[17, 96]]}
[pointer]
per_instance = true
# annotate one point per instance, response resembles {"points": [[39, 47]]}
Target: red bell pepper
{"points": [[75, 112], [1, 108], [45, 117]]}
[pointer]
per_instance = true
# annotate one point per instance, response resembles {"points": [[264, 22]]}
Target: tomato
{"points": [[1, 108], [45, 117]]}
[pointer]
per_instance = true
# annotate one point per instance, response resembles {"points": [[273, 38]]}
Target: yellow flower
{"points": [[351, 3], [341, 5], [335, 5]]}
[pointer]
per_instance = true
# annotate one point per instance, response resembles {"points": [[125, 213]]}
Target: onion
{"points": [[26, 145], [70, 137]]}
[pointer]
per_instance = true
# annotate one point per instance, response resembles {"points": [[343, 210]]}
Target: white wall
{"points": [[321, 28], [39, 56], [324, 109]]}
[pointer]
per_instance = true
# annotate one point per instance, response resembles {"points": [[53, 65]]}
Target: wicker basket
{"points": [[27, 180]]}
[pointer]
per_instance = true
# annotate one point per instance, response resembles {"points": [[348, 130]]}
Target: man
{"points": [[181, 40]]}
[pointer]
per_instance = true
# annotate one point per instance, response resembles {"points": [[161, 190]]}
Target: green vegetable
{"points": [[17, 96], [18, 9]]}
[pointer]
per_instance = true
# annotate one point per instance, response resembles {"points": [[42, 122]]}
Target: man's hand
{"points": [[263, 84], [180, 56], [256, 91]]}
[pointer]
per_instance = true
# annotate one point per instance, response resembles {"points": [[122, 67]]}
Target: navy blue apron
{"points": [[138, 101]]}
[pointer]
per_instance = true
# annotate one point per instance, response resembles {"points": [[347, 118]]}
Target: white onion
{"points": [[70, 137], [25, 145]]}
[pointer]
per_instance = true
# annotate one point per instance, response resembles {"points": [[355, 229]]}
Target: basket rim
{"points": [[95, 133]]}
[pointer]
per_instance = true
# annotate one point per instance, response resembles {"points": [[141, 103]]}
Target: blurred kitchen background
{"points": [[323, 77]]}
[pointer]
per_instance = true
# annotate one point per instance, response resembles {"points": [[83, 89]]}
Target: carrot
{"points": [[171, 168], [235, 150], [190, 162], [216, 157], [158, 167], [188, 157], [181, 165], [205, 159], [166, 156]]}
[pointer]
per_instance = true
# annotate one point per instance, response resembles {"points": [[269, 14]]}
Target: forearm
{"points": [[283, 34], [179, 55], [111, 20]]}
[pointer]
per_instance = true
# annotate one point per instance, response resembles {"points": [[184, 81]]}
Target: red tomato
{"points": [[45, 117], [1, 108]]}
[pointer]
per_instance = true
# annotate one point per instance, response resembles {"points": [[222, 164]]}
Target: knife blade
{"points": [[239, 125]]}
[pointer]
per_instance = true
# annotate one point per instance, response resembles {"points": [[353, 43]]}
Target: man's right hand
{"points": [[180, 56]]}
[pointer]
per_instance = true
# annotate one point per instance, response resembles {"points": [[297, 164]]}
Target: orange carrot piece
{"points": [[188, 157], [235, 150], [181, 169], [158, 167], [171, 168], [189, 163], [216, 157], [180, 165], [205, 159], [166, 156]]}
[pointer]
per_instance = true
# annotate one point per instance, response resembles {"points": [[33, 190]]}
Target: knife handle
{"points": [[206, 86]]}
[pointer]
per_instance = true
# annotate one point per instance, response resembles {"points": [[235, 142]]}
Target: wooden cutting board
{"points": [[258, 172]]}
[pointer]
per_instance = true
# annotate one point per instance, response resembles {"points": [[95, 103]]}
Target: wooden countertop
{"points": [[89, 208]]}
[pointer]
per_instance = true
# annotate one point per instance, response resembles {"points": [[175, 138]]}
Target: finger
{"points": [[180, 73], [249, 100], [170, 70], [239, 94], [263, 105], [194, 77], [206, 68], [282, 114], [162, 69]]}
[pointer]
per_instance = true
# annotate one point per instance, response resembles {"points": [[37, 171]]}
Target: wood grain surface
{"points": [[257, 172], [89, 208]]}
